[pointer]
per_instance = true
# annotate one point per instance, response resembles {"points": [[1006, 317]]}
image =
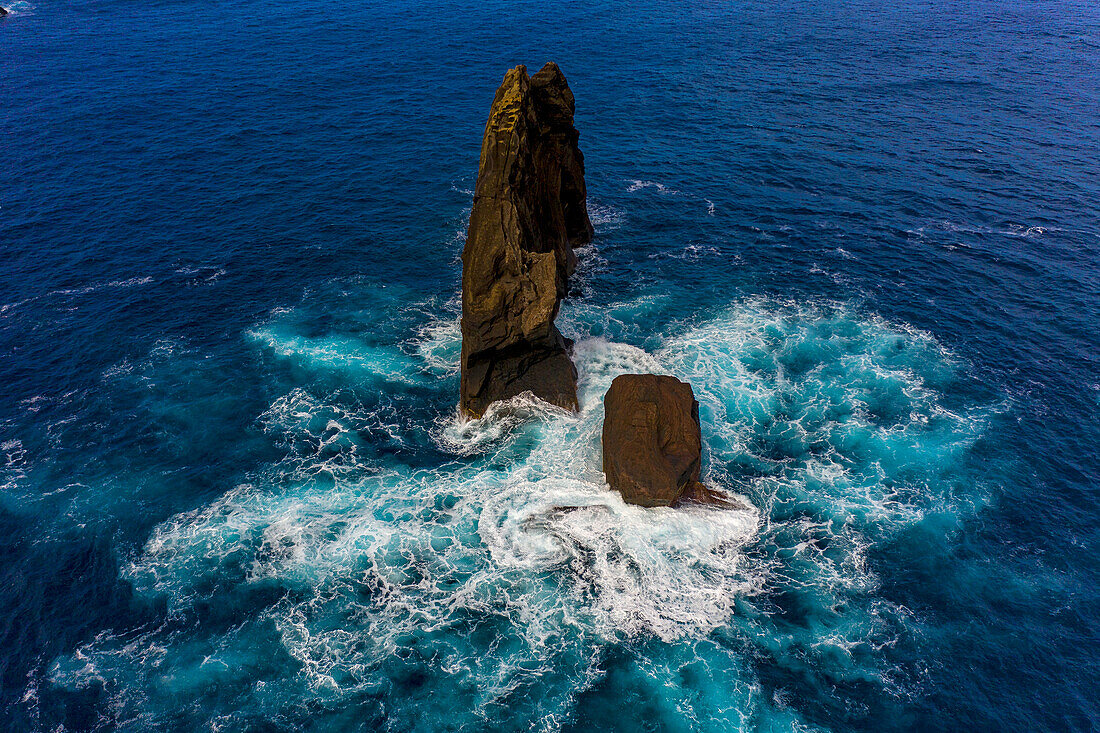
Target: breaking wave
{"points": [[493, 590]]}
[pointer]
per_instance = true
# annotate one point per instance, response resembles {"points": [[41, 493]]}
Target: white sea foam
{"points": [[208, 273], [604, 217], [506, 571], [14, 453], [9, 308], [458, 434], [95, 287], [1024, 231], [690, 253], [19, 7], [836, 277], [462, 187], [638, 185], [34, 404], [14, 467], [1011, 230], [439, 345], [341, 354]]}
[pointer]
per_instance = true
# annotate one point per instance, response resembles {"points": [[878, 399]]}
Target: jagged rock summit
{"points": [[652, 442], [529, 213]]}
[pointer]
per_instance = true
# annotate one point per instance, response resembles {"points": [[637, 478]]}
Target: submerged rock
{"points": [[652, 444], [529, 213]]}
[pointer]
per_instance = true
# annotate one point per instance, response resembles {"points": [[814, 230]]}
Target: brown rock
{"points": [[652, 443], [529, 212]]}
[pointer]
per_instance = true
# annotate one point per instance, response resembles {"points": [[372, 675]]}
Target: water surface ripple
{"points": [[234, 491]]}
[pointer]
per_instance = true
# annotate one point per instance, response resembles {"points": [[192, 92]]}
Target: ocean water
{"points": [[235, 494]]}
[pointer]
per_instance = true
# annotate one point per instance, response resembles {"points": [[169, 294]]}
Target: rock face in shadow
{"points": [[652, 444], [529, 213]]}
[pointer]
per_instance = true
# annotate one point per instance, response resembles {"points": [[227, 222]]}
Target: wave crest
{"points": [[507, 574]]}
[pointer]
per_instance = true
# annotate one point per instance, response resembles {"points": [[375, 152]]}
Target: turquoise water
{"points": [[235, 493]]}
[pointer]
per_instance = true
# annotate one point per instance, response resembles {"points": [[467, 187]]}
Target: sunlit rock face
{"points": [[529, 213], [652, 445]]}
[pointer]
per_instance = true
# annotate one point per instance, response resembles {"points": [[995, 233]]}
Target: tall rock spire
{"points": [[529, 213]]}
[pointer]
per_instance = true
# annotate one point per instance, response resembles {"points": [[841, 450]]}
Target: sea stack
{"points": [[529, 213], [652, 443]]}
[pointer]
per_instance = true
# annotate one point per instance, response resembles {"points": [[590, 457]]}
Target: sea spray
{"points": [[495, 588], [297, 182]]}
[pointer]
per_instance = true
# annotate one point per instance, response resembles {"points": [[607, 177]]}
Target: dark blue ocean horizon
{"points": [[234, 491]]}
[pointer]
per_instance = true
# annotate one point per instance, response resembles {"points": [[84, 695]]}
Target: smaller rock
{"points": [[652, 443], [3, 11]]}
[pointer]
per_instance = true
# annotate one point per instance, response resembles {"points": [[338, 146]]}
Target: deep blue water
{"points": [[234, 494]]}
